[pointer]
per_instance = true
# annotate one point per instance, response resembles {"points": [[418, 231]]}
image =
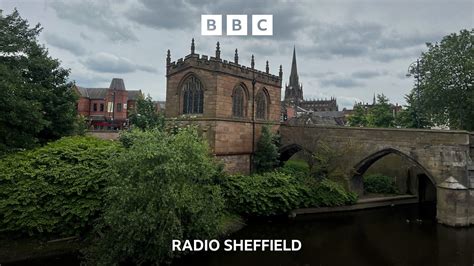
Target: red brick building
{"points": [[230, 102], [106, 108]]}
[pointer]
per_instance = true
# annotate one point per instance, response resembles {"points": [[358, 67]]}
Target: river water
{"points": [[402, 235]]}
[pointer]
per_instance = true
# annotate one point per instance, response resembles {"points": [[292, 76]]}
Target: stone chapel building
{"points": [[230, 102]]}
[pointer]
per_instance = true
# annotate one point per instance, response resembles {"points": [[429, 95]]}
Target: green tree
{"points": [[266, 155], [162, 188], [36, 104], [444, 76], [359, 117], [380, 115], [144, 115], [411, 116]]}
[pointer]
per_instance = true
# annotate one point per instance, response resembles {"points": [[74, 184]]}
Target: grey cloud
{"points": [[367, 74], [109, 63], [87, 79], [64, 43], [99, 16], [341, 82], [85, 36], [185, 14], [364, 39], [168, 14]]}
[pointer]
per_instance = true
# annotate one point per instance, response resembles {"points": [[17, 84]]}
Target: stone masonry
{"points": [[445, 157], [229, 137]]}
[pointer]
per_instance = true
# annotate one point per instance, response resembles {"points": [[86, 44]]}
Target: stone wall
{"points": [[442, 155], [234, 164], [229, 137]]}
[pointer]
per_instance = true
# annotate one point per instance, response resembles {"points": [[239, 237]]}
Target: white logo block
{"points": [[211, 25], [262, 25], [237, 25]]}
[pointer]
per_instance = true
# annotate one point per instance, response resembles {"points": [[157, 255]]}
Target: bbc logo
{"points": [[236, 25]]}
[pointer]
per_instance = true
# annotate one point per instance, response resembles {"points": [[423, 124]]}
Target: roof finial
{"points": [[267, 69], [236, 57], [192, 46], [252, 63], [218, 51], [168, 58]]}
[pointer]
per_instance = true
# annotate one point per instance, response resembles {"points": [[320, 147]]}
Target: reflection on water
{"points": [[403, 235]]}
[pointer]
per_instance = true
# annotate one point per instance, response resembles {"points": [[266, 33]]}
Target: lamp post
{"points": [[414, 68]]}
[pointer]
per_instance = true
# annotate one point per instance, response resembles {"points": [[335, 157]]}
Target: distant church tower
{"points": [[294, 97], [294, 91]]}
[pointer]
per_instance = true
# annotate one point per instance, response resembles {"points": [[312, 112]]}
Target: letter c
{"points": [[258, 25]]}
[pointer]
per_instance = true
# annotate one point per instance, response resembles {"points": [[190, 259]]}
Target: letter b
{"points": [[237, 25], [211, 25]]}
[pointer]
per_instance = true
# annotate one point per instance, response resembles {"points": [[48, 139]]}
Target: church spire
{"points": [[294, 80]]}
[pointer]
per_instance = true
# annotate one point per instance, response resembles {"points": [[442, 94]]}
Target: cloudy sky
{"points": [[346, 49]]}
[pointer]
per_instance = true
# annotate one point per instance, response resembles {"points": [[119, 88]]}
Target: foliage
{"points": [[144, 115], [444, 81], [36, 103], [380, 115], [264, 194], [297, 168], [80, 125], [162, 188], [359, 117], [275, 192], [377, 115], [266, 155], [56, 189], [378, 183], [326, 193], [412, 116], [332, 161]]}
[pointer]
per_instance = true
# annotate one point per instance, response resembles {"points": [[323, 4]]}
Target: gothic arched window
{"points": [[261, 101], [238, 100], [193, 96]]}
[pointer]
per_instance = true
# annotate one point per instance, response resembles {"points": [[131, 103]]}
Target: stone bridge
{"points": [[446, 157]]}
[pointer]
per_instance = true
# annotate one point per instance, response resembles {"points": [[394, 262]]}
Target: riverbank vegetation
{"points": [[57, 189], [161, 188], [380, 184], [126, 200]]}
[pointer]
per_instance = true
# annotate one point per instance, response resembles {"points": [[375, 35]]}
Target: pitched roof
{"points": [[133, 95], [97, 93], [117, 84], [82, 91]]}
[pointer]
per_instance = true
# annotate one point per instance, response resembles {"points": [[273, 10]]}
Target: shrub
{"points": [[265, 194], [378, 183], [266, 155], [56, 189], [297, 168], [326, 193], [162, 189], [277, 193]]}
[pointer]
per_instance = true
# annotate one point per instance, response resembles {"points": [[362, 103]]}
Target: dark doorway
{"points": [[426, 189]]}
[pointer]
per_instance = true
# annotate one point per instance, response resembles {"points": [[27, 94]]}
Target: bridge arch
{"points": [[289, 150], [362, 166]]}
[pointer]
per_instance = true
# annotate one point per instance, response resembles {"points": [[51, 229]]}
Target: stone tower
{"points": [[230, 103], [294, 90]]}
